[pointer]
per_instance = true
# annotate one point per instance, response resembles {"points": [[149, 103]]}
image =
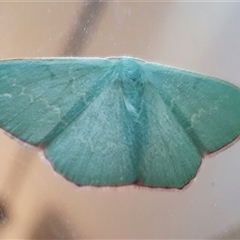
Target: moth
{"points": [[118, 121]]}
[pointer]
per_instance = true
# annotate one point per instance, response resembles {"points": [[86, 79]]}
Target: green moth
{"points": [[118, 121]]}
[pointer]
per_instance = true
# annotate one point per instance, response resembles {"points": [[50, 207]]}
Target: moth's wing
{"points": [[169, 158], [186, 115], [69, 107], [96, 149], [38, 98], [208, 109]]}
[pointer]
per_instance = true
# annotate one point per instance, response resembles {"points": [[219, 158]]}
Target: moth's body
{"points": [[130, 77], [118, 121]]}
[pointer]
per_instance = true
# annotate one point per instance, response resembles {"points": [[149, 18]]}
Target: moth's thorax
{"points": [[130, 80]]}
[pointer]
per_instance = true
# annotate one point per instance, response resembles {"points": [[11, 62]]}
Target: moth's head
{"points": [[129, 69]]}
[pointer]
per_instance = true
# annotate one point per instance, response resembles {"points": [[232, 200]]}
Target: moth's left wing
{"points": [[74, 110], [97, 148], [40, 97]]}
